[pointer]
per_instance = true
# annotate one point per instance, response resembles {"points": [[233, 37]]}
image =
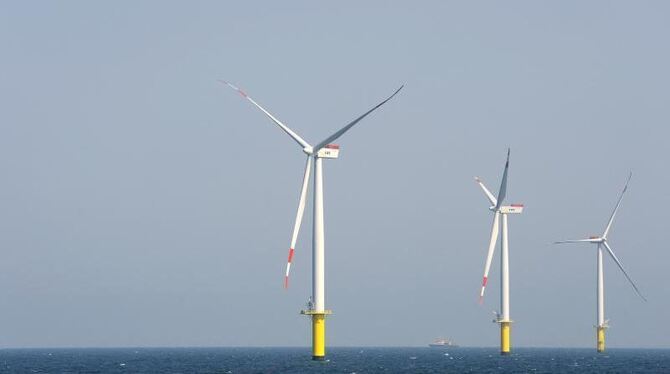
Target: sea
{"points": [[339, 360]]}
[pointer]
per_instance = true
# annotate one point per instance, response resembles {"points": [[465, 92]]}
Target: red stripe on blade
{"points": [[285, 282], [290, 255], [486, 279]]}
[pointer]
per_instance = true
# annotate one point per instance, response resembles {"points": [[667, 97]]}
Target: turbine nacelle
{"points": [[329, 151], [511, 209]]}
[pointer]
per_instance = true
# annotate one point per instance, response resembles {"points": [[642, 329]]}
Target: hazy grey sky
{"points": [[145, 204]]}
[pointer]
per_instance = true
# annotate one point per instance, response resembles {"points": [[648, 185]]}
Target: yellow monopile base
{"points": [[601, 339], [318, 337], [504, 338]]}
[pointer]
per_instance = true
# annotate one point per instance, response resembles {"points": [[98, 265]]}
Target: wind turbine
{"points": [[600, 242], [323, 150], [499, 210]]}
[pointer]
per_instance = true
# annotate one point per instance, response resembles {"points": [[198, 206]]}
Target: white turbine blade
{"points": [[576, 241], [489, 255], [609, 224], [488, 193], [339, 133], [290, 132], [503, 184], [298, 218], [622, 269]]}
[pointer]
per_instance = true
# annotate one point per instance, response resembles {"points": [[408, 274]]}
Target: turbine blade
{"points": [[488, 193], [489, 255], [298, 218], [576, 241], [339, 133], [622, 269], [609, 224], [503, 185], [290, 132]]}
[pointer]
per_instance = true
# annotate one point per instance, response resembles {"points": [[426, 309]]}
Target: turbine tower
{"points": [[499, 210], [601, 242], [323, 150]]}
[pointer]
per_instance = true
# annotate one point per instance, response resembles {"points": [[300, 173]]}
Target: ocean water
{"points": [[340, 360]]}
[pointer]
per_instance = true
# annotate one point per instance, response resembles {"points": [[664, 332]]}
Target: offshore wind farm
{"points": [[154, 222]]}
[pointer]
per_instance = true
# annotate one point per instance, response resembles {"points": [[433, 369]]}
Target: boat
{"points": [[442, 343]]}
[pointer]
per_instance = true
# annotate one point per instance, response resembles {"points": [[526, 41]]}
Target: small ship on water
{"points": [[442, 343]]}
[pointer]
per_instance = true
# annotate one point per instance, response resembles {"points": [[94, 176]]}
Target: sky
{"points": [[145, 204]]}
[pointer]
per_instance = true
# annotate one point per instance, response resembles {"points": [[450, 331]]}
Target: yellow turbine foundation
{"points": [[505, 338], [318, 337], [601, 339], [318, 332]]}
